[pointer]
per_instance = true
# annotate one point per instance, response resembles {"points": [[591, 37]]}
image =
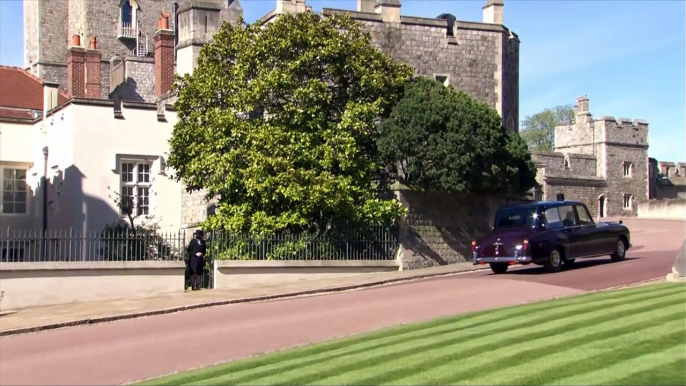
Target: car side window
{"points": [[567, 215], [552, 218], [584, 216]]}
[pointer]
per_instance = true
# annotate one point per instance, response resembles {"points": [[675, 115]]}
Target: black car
{"points": [[549, 233]]}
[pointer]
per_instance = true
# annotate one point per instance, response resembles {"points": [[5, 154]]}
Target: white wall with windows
{"points": [[119, 169], [17, 198]]}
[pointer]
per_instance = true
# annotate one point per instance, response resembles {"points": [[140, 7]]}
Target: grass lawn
{"points": [[634, 336]]}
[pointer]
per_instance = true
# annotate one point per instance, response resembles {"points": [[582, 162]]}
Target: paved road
{"points": [[140, 348]]}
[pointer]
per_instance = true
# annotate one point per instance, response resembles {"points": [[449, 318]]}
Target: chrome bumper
{"points": [[502, 259]]}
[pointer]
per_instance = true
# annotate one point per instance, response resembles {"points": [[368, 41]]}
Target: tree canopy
{"points": [[438, 138], [280, 123], [538, 130]]}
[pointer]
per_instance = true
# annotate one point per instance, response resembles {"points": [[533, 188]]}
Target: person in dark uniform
{"points": [[196, 261]]}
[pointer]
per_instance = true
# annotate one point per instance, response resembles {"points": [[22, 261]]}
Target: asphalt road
{"points": [[136, 349]]}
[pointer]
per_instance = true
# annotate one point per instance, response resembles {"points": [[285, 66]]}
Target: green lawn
{"points": [[627, 337]]}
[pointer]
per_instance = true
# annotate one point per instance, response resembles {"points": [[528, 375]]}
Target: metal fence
{"points": [[73, 245], [332, 243]]}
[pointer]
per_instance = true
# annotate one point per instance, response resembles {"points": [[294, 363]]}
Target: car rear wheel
{"points": [[620, 251], [554, 261], [499, 268]]}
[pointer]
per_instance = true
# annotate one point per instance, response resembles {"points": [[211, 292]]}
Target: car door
{"points": [[588, 239], [571, 228]]}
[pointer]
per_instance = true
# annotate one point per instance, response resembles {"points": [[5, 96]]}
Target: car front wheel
{"points": [[620, 251], [554, 261], [499, 268]]}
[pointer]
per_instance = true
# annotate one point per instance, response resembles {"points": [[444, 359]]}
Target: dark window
{"points": [[516, 217], [567, 215], [126, 13], [584, 217]]}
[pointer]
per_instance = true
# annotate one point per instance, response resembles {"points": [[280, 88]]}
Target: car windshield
{"points": [[516, 217]]}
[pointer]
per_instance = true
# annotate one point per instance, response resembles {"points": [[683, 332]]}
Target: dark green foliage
{"points": [[280, 123], [437, 138]]}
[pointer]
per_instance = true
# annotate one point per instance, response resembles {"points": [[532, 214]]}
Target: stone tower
{"points": [[124, 28], [620, 149]]}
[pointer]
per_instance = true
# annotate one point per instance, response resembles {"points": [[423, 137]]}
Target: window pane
{"points": [[583, 215], [8, 207], [7, 174], [567, 215], [20, 174], [21, 186], [127, 172], [8, 185], [144, 173], [20, 197], [7, 196], [20, 207], [552, 217]]}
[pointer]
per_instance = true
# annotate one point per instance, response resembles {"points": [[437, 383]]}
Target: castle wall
{"points": [[481, 59]]}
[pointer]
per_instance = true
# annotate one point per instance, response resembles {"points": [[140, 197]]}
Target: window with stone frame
{"points": [[15, 191], [136, 184], [128, 25], [628, 198], [627, 169]]}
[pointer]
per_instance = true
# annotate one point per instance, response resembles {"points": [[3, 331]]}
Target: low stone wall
{"points": [[245, 273], [440, 227], [667, 209], [26, 285]]}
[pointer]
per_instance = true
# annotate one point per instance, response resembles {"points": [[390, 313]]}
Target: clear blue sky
{"points": [[626, 56]]}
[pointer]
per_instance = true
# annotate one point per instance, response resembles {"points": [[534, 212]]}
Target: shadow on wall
{"points": [[440, 227], [74, 209], [127, 91], [70, 213]]}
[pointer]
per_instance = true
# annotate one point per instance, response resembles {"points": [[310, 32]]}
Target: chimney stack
{"points": [[366, 6], [164, 56], [76, 68], [93, 70], [197, 24], [389, 10], [493, 11], [290, 6]]}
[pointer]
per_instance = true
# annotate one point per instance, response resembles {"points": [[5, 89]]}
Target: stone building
{"points": [[124, 30], [667, 180], [480, 58], [601, 161], [119, 57]]}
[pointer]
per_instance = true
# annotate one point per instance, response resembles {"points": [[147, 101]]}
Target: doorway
{"points": [[601, 206]]}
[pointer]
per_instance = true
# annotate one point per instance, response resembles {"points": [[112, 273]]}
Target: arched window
{"points": [[126, 12]]}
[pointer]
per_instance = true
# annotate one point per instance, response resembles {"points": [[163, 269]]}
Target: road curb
{"points": [[254, 299]]}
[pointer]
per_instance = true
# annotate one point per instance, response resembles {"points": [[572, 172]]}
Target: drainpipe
{"points": [[45, 200]]}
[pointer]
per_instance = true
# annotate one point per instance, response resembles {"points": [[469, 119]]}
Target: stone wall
{"points": [[139, 80], [480, 59], [49, 25], [663, 209], [440, 227]]}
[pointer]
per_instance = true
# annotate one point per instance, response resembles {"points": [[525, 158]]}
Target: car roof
{"points": [[539, 204]]}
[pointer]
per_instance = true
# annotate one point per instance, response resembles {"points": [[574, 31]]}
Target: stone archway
{"points": [[602, 206]]}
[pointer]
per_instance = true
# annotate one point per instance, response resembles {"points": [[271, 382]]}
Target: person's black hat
{"points": [[198, 232]]}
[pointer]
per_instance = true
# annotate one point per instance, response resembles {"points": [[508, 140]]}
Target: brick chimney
{"points": [[164, 56], [93, 70], [76, 68]]}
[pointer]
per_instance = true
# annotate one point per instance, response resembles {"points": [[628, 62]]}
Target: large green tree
{"points": [[438, 138], [538, 130], [280, 123]]}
